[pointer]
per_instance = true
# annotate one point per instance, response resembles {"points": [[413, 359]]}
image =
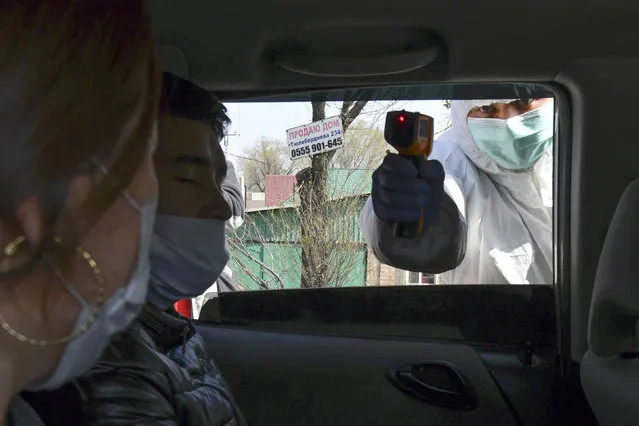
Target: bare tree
{"points": [[313, 199], [266, 248], [449, 121], [325, 253], [364, 147], [266, 157]]}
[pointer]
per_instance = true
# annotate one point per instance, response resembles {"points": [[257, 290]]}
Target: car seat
{"points": [[610, 368]]}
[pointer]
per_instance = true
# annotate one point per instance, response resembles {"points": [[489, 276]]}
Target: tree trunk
{"points": [[314, 198]]}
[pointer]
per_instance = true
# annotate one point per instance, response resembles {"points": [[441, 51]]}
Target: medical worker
{"points": [[485, 193]]}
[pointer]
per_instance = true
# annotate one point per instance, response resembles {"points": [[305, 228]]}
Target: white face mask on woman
{"points": [[93, 331], [187, 256]]}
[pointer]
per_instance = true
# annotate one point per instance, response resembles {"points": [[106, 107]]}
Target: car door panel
{"points": [[323, 356], [295, 379]]}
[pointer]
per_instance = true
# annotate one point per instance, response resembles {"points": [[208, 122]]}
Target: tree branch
{"points": [[346, 105], [352, 113]]}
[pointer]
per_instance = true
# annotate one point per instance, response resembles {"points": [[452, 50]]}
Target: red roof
{"points": [[279, 189]]}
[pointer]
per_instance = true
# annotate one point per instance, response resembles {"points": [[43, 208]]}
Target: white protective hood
{"points": [[509, 214]]}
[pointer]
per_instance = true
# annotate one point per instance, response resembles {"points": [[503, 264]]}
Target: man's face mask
{"points": [[518, 142], [187, 257]]}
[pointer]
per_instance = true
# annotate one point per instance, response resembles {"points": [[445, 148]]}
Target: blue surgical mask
{"points": [[518, 142], [118, 312], [187, 256]]}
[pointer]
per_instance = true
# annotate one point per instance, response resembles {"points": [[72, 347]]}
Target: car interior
{"points": [[452, 355]]}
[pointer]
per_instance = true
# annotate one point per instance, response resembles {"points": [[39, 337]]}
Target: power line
{"points": [[247, 158]]}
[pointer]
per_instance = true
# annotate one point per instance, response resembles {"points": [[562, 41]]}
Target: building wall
{"points": [[378, 273], [255, 200], [267, 255], [282, 224], [279, 189], [272, 266], [387, 276]]}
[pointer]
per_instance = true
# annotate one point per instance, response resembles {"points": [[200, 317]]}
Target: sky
{"points": [[252, 121]]}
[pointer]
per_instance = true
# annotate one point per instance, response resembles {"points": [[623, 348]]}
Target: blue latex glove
{"points": [[401, 190]]}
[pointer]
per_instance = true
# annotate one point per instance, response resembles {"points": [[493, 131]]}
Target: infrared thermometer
{"points": [[411, 134]]}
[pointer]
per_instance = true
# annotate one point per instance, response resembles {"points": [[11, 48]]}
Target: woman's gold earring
{"points": [[9, 250]]}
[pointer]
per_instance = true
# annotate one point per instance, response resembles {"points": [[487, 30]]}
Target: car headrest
{"points": [[615, 301]]}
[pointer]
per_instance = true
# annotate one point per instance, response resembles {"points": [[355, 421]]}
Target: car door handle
{"points": [[437, 382]]}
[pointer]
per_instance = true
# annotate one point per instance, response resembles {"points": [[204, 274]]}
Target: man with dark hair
{"points": [[158, 371], [192, 124], [199, 192], [183, 165]]}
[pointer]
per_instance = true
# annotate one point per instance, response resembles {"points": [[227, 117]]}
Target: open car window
{"points": [[283, 244]]}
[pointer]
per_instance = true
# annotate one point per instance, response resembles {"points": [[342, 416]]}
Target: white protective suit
{"points": [[508, 215]]}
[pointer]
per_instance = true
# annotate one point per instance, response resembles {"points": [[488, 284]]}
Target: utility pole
{"points": [[235, 133], [226, 141]]}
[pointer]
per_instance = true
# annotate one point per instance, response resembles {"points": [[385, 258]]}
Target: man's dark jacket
{"points": [[157, 372]]}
